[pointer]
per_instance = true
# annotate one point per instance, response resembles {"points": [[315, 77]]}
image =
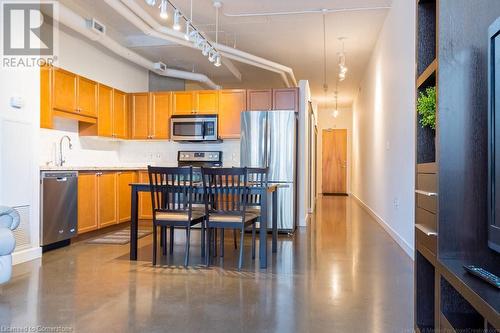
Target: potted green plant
{"points": [[426, 107]]}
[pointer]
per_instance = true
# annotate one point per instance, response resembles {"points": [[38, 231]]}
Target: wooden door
{"points": [[124, 194], [207, 101], [105, 111], [160, 115], [120, 114], [63, 90], [231, 104], [259, 100], [183, 102], [86, 97], [139, 109], [145, 204], [334, 148], [87, 202], [106, 199], [286, 99]]}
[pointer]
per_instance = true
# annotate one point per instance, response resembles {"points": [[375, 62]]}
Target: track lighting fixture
{"points": [[191, 33], [187, 34], [206, 49], [177, 17], [164, 9], [217, 60]]}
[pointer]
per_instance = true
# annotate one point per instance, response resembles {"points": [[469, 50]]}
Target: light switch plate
{"points": [[17, 102]]}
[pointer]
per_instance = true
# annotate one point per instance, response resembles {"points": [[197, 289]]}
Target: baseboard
{"points": [[407, 248], [26, 255]]}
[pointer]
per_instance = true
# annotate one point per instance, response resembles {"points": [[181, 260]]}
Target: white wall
{"points": [[383, 127], [327, 121], [19, 177], [303, 164]]}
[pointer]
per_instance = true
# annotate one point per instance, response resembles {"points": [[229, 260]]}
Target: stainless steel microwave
{"points": [[193, 127]]}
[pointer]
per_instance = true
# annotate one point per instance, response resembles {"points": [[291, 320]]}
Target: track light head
{"points": [[218, 61], [187, 34], [164, 9], [150, 2], [177, 17], [212, 55], [205, 50]]}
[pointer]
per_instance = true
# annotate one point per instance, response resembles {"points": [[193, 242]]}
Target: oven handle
{"points": [[203, 130]]}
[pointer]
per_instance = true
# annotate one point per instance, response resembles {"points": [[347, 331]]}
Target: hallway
{"points": [[342, 274]]}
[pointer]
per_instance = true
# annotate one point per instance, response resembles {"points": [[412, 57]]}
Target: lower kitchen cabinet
{"points": [[124, 194], [106, 199], [87, 202], [145, 204]]}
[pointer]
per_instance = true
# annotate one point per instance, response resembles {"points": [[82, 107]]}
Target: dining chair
{"points": [[172, 199], [226, 198]]}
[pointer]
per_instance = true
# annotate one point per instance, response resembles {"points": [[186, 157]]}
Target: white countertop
{"points": [[92, 168]]}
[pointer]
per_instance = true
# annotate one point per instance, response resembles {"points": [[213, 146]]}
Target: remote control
{"points": [[484, 275]]}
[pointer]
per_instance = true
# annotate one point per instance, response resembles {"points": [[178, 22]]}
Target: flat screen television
{"points": [[494, 136]]}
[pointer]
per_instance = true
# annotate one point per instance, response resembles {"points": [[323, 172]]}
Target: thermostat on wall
{"points": [[17, 102]]}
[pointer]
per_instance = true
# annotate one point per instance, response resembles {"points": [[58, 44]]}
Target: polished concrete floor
{"points": [[341, 274]]}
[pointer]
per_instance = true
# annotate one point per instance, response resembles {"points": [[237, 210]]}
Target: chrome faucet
{"points": [[70, 146]]}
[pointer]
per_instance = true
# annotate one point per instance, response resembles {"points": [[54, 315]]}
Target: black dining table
{"points": [[264, 192]]}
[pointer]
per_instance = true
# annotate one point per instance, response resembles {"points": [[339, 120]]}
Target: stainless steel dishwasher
{"points": [[59, 213]]}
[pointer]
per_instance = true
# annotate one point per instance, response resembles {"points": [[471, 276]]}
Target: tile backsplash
{"points": [[92, 151]]}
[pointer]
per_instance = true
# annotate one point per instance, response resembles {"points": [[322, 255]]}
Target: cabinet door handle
{"points": [[426, 230]]}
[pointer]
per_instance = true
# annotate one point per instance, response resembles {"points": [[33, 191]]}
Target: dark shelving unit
{"points": [[451, 170]]}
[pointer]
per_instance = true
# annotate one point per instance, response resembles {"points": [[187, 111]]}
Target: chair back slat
{"points": [[257, 177], [225, 190], [171, 188]]}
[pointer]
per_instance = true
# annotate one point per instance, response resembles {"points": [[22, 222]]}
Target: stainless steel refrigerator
{"points": [[269, 139]]}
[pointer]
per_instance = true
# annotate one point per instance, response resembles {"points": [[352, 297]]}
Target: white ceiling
{"points": [[295, 41]]}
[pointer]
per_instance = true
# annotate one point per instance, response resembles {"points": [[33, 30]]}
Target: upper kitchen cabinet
{"points": [[195, 102], [120, 114], [207, 101], [139, 115], [160, 115], [183, 102], [65, 94], [259, 100], [286, 99], [86, 97], [231, 104], [112, 115], [105, 111], [150, 115], [64, 90]]}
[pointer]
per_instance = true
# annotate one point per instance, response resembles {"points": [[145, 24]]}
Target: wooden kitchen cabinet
{"points": [[120, 114], [286, 99], [160, 115], [183, 102], [105, 111], [86, 97], [124, 178], [106, 199], [45, 97], [87, 202], [231, 104], [145, 204], [64, 90], [207, 101], [139, 114], [259, 100]]}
